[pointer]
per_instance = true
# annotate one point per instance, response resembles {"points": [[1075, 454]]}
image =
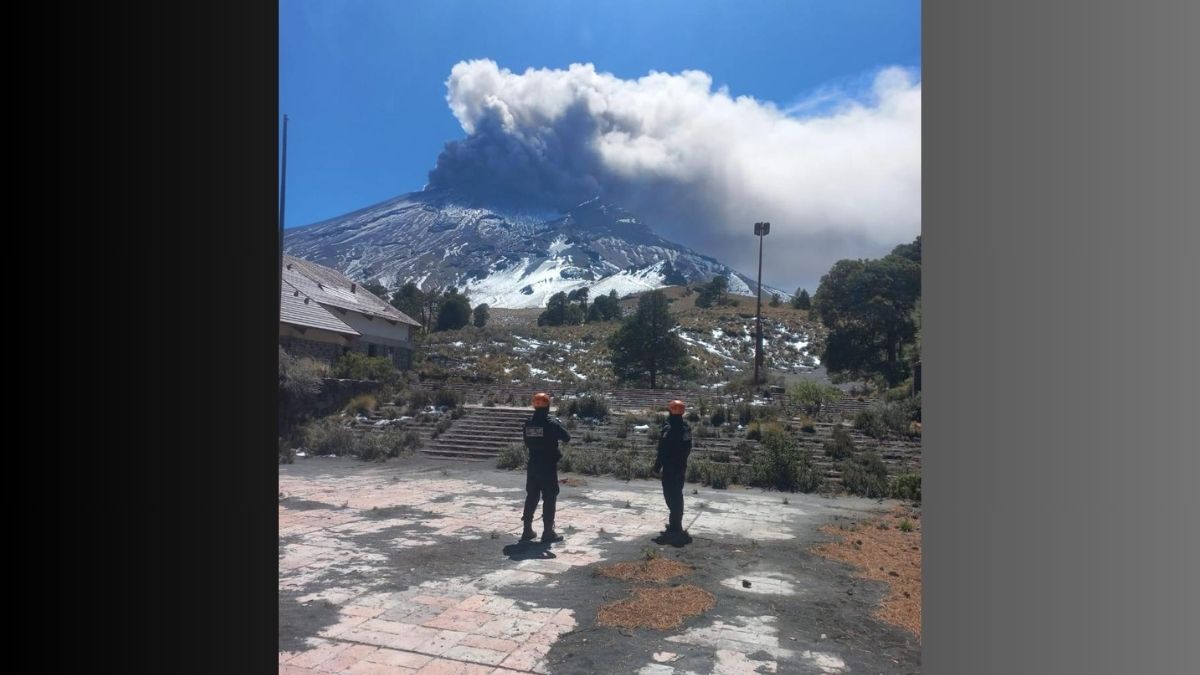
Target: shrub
{"points": [[378, 446], [780, 464], [628, 465], [695, 472], [760, 428], [906, 525], [359, 366], [812, 396], [719, 476], [840, 445], [447, 398], [512, 456], [328, 437], [907, 486], [371, 447], [808, 426], [693, 417], [299, 387], [362, 404], [586, 406], [865, 475], [418, 400], [882, 419], [719, 417], [745, 451], [745, 413]]}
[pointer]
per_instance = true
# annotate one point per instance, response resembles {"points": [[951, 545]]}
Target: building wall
{"points": [[393, 341], [401, 356], [300, 347], [376, 330], [377, 340]]}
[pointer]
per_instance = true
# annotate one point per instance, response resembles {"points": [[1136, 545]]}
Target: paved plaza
{"points": [[413, 566]]}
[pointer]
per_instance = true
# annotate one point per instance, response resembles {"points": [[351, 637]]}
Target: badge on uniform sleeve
{"points": [[534, 432]]}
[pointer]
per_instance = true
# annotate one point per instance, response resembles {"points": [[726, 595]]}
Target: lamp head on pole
{"points": [[762, 229]]}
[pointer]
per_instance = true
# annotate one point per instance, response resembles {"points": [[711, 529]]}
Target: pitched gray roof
{"points": [[330, 287], [299, 310]]}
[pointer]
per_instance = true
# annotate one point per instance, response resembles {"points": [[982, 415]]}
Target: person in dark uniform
{"points": [[674, 446], [542, 434]]}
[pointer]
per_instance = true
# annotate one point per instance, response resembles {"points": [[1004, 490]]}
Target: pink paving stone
{"points": [[564, 617], [506, 671], [475, 654], [385, 626], [525, 657], [547, 635], [319, 655], [395, 657], [288, 669], [445, 639], [457, 619], [486, 642], [344, 624], [337, 664], [474, 603], [379, 638], [447, 667], [369, 668], [436, 601], [368, 612], [497, 605], [414, 639], [509, 629]]}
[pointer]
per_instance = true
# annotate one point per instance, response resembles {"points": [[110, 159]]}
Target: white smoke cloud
{"points": [[701, 166]]}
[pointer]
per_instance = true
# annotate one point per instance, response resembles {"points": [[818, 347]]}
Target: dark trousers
{"points": [[541, 483], [672, 485]]}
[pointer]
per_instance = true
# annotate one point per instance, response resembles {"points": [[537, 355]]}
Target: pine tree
{"points": [[644, 344]]}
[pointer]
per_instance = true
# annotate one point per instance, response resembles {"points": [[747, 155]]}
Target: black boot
{"points": [[676, 524], [548, 533], [528, 534]]}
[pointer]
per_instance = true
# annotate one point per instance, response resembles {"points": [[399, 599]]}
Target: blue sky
{"points": [[363, 82]]}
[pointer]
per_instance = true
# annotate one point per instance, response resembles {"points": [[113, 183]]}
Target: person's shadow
{"points": [[675, 539], [529, 550]]}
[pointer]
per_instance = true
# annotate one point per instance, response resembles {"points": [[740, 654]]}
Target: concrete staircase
{"points": [[480, 434]]}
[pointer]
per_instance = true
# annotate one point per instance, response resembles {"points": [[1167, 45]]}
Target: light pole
{"points": [[282, 195], [762, 230]]}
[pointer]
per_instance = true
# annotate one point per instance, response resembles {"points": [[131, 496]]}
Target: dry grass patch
{"points": [[655, 569], [888, 550], [657, 608]]}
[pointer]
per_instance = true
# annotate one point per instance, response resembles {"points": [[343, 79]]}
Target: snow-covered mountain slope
{"points": [[509, 259]]}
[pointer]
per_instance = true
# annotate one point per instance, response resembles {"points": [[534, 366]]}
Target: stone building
{"points": [[323, 314]]}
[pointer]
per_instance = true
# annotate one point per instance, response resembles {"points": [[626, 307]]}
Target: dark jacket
{"points": [[674, 446], [542, 434]]}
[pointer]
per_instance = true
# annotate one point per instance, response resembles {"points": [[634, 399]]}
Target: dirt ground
{"points": [[413, 566]]}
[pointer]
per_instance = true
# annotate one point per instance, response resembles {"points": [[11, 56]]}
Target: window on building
{"points": [[370, 350]]}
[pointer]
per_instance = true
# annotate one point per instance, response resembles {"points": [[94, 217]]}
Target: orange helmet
{"points": [[541, 400], [676, 407]]}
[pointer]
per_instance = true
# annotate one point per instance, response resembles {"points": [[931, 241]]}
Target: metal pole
{"points": [[282, 193], [758, 313]]}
